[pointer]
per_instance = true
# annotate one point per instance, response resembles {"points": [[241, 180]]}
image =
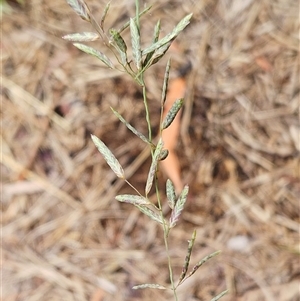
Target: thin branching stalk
{"points": [[137, 13], [147, 111], [135, 64], [166, 233]]}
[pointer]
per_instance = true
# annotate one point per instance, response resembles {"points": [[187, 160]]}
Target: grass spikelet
{"points": [[135, 40], [172, 113], [89, 50], [153, 215], [110, 159], [163, 155], [103, 17], [119, 41], [216, 298], [171, 36], [81, 37], [187, 258], [201, 262], [81, 8], [153, 166], [171, 195], [149, 285], [133, 199], [165, 84], [155, 39], [176, 212]]}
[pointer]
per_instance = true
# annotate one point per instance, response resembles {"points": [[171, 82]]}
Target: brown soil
{"points": [[65, 237]]}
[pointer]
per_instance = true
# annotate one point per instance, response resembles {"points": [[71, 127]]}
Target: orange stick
{"points": [[170, 165]]}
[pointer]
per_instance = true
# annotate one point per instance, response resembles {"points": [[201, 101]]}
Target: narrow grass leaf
{"points": [[187, 258], [149, 285], [110, 159], [126, 25], [135, 40], [104, 15], [169, 37], [171, 195], [176, 212], [81, 8], [101, 56], [133, 199], [152, 214], [201, 262], [172, 113], [165, 84], [220, 295], [131, 128], [153, 166], [81, 37], [155, 39]]}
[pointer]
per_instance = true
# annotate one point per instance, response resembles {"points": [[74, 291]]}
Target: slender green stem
{"points": [[147, 111], [165, 226], [133, 187], [140, 80], [166, 233], [137, 9]]}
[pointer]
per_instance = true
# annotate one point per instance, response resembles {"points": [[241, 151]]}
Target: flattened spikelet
{"points": [[81, 8], [110, 159], [135, 40], [153, 166], [172, 113], [101, 56], [176, 212], [149, 285], [81, 37], [133, 199]]}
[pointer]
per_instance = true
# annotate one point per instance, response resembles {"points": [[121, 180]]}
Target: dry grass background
{"points": [[64, 237]]}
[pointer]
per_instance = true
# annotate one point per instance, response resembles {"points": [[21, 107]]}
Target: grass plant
{"points": [[135, 64]]}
